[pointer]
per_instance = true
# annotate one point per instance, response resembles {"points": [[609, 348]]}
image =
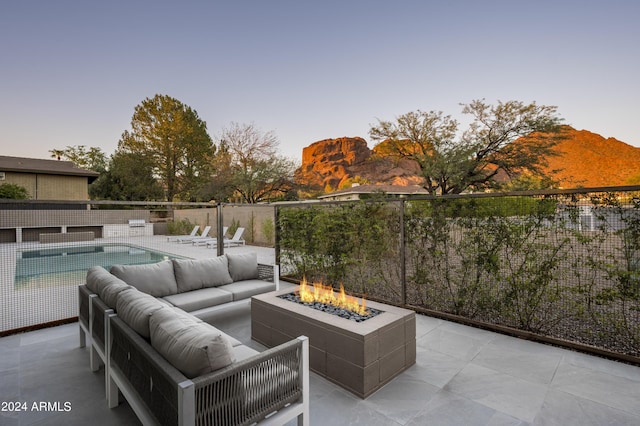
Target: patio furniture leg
{"points": [[111, 388], [112, 393], [303, 419], [94, 359], [83, 337]]}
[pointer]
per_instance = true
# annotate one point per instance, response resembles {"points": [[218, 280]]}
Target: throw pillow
{"points": [[156, 279], [243, 266], [196, 274], [135, 308], [195, 348]]}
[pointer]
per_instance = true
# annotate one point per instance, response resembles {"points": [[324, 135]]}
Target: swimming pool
{"points": [[68, 265]]}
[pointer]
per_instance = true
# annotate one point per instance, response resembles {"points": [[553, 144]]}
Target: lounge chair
{"points": [[204, 240], [188, 239], [236, 240], [193, 233]]}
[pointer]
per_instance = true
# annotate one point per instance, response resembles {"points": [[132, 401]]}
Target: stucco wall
{"points": [[252, 217]]}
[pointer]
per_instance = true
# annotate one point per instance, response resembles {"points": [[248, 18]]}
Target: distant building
{"points": [[359, 192], [47, 179]]}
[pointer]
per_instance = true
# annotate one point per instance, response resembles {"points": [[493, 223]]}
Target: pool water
{"points": [[68, 265]]}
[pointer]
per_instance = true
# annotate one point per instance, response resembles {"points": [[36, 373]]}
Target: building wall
{"points": [[25, 180], [51, 187], [57, 187]]}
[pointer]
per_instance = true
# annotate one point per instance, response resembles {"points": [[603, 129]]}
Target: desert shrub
{"points": [[268, 230], [180, 227], [233, 227]]}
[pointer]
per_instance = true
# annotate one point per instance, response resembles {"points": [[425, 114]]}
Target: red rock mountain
{"points": [[331, 162], [585, 160], [588, 160]]}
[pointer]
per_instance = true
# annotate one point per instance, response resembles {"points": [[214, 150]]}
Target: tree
{"points": [[56, 153], [91, 159], [254, 170], [220, 186], [128, 178], [174, 140], [88, 159], [452, 164], [13, 192]]}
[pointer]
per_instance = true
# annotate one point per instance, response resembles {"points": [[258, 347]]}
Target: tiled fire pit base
{"points": [[361, 357]]}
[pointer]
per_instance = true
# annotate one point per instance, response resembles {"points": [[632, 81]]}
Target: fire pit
{"points": [[359, 356], [323, 298]]}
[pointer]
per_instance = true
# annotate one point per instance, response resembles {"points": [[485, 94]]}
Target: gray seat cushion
{"points": [[135, 308], [196, 274], [195, 348], [199, 299], [156, 279], [243, 266], [242, 352], [247, 288]]}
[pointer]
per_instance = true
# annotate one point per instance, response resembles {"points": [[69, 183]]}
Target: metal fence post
{"points": [[403, 264], [220, 227], [276, 235]]}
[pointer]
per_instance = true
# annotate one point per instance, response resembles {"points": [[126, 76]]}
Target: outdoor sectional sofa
{"points": [[146, 324]]}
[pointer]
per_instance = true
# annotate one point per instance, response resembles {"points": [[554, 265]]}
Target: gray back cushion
{"points": [[99, 278], [109, 294], [196, 274], [156, 279], [243, 266], [135, 308], [193, 347], [105, 285]]}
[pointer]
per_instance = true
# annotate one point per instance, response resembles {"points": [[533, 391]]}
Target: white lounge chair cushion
{"points": [[135, 308], [195, 348], [196, 274], [243, 266], [156, 279]]}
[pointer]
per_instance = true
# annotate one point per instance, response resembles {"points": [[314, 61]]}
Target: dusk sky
{"points": [[72, 72]]}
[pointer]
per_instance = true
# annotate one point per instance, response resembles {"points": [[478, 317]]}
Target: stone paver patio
{"points": [[462, 376]]}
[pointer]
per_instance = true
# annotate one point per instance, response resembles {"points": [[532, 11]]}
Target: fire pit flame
{"points": [[318, 292]]}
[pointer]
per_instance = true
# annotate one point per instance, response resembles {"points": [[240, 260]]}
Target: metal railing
{"points": [[46, 247], [561, 266]]}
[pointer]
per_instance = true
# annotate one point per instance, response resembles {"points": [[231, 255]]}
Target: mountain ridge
{"points": [[584, 159]]}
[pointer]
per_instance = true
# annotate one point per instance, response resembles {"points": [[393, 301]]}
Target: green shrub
{"points": [[233, 227], [13, 192], [268, 230]]}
